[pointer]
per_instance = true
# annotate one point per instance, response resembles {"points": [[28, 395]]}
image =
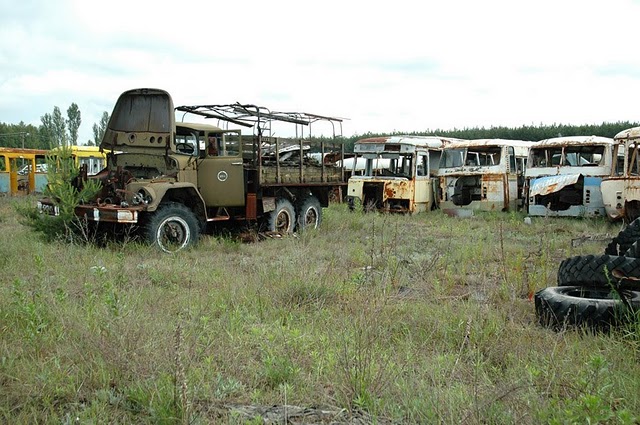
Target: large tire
{"points": [[634, 250], [557, 307], [627, 236], [309, 213], [283, 219], [172, 227], [589, 270]]}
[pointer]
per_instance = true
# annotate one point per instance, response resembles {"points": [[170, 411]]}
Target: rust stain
{"points": [[374, 140], [492, 177], [549, 189], [389, 192]]}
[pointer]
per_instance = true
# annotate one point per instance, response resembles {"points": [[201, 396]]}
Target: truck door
{"points": [[220, 172]]}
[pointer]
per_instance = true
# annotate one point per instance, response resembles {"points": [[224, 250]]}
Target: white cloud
{"points": [[400, 66]]}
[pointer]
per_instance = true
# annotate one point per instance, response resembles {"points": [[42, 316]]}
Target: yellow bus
{"points": [[22, 171], [89, 155]]}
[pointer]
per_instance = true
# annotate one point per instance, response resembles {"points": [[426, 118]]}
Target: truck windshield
{"points": [[187, 144]]}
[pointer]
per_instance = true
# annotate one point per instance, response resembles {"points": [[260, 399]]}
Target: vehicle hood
{"points": [[550, 184], [141, 118]]}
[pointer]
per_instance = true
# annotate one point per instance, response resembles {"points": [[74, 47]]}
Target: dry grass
{"points": [[411, 319]]}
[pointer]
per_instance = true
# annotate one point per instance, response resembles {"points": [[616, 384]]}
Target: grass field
{"points": [[423, 319]]}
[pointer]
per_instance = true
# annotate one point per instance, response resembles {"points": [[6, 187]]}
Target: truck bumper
{"points": [[108, 213]]}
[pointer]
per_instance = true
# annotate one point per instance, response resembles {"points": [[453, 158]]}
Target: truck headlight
{"points": [[143, 196]]}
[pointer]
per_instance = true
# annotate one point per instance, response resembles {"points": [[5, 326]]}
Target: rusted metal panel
{"points": [[551, 184]]}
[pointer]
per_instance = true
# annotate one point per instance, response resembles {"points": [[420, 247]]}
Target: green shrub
{"points": [[66, 192]]}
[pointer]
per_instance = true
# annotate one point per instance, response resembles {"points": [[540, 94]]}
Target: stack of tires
{"points": [[596, 291]]}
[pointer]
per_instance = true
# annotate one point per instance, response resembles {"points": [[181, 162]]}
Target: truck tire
{"points": [[627, 236], [309, 213], [172, 227], [557, 307], [589, 270], [281, 220]]}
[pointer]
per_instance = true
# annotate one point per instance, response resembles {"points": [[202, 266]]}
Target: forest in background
{"points": [[56, 130], [525, 132]]}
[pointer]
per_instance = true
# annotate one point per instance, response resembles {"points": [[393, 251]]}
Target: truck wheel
{"points": [[309, 213], [172, 227], [561, 306], [282, 219], [589, 270]]}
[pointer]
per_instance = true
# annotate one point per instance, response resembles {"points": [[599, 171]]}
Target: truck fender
{"points": [[183, 193]]}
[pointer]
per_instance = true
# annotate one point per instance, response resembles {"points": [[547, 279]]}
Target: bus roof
{"points": [[23, 151], [575, 140], [432, 142], [475, 143], [630, 133]]}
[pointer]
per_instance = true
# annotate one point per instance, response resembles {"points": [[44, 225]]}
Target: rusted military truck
{"points": [[174, 180]]}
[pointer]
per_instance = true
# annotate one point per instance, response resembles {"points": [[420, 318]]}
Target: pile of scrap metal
{"points": [[596, 291]]}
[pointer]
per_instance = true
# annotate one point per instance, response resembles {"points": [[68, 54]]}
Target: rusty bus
{"points": [[564, 176], [621, 190], [482, 174], [22, 171], [398, 173]]}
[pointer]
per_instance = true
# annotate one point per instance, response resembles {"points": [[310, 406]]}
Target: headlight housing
{"points": [[144, 196]]}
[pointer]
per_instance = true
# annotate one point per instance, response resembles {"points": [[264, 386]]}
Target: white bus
{"points": [[482, 174], [564, 175]]}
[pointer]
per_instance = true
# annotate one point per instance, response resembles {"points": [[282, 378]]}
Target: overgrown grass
{"points": [[412, 319]]}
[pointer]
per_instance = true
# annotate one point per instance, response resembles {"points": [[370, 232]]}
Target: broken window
{"points": [[573, 156], [484, 157], [423, 165], [452, 158], [186, 142], [580, 156], [401, 167], [634, 161], [546, 157]]}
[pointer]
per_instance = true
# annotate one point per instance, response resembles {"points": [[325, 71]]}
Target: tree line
{"points": [[525, 132], [55, 130]]}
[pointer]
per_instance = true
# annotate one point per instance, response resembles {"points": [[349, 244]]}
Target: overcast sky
{"points": [[385, 65]]}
